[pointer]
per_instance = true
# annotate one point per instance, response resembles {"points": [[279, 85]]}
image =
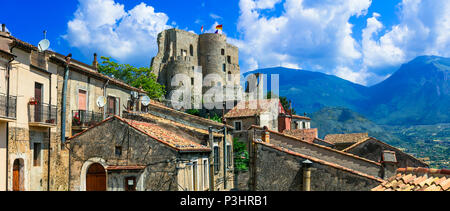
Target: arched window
{"points": [[191, 50], [223, 51]]}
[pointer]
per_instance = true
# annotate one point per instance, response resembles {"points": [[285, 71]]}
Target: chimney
{"points": [[306, 175], [95, 62], [266, 135], [3, 27]]}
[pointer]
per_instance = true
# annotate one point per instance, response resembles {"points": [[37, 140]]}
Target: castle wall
{"points": [[181, 51]]}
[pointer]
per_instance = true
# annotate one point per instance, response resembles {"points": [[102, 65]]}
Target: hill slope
{"points": [[343, 120], [311, 91], [418, 93]]}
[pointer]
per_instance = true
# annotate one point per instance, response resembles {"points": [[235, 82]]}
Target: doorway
{"points": [[18, 175], [96, 178]]}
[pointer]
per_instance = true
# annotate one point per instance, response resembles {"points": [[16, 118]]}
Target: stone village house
{"points": [[31, 86], [162, 150], [360, 144]]}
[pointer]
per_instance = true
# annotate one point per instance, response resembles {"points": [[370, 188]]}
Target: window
{"points": [[111, 109], [36, 154], [194, 176], [224, 67], [118, 151], [229, 59], [82, 102], [130, 105], [192, 81], [130, 184], [222, 51], [38, 90], [389, 156], [216, 160], [238, 125], [191, 50], [205, 174], [304, 125], [229, 157], [229, 76]]}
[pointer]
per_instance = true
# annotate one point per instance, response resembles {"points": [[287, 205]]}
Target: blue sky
{"points": [[363, 41]]}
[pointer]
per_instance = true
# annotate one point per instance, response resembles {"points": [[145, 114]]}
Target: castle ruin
{"points": [[180, 52]]}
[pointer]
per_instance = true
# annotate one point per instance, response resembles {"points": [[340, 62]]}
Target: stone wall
{"points": [[137, 149], [372, 149], [279, 171], [325, 153]]}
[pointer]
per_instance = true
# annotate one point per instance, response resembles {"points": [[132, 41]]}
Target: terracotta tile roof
{"points": [[417, 179], [154, 105], [118, 168], [158, 133], [317, 160], [90, 70], [305, 134], [253, 107], [346, 138], [300, 117], [173, 123], [75, 64]]}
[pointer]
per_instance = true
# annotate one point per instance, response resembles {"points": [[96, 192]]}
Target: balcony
{"points": [[42, 115], [7, 108], [82, 119]]}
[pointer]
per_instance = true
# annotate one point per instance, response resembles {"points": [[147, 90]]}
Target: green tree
{"points": [[284, 102], [241, 160], [134, 76]]}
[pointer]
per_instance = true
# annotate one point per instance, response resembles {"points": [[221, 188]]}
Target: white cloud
{"points": [[103, 26], [307, 33], [424, 29], [317, 35], [214, 16]]}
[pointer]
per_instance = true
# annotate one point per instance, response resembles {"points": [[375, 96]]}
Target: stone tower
{"points": [[180, 51]]}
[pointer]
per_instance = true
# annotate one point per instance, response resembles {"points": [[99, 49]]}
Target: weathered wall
{"points": [[22, 136], [373, 149], [326, 154], [180, 51], [137, 149], [279, 171]]}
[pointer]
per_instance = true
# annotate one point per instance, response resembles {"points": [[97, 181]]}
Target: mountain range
{"points": [[417, 94]]}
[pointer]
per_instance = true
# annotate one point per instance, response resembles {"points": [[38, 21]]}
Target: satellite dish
{"points": [[44, 44], [145, 101], [134, 94], [101, 101]]}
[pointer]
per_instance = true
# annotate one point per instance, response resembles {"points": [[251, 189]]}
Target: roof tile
{"points": [[417, 179]]}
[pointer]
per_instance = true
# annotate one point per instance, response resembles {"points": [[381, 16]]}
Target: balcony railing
{"points": [[8, 106], [82, 118], [42, 113]]}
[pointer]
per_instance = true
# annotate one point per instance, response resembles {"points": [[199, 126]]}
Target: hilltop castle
{"points": [[180, 52]]}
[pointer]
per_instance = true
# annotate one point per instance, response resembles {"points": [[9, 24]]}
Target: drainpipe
{"points": [[8, 69], [307, 175], [211, 159], [64, 100], [49, 134], [104, 94], [225, 157]]}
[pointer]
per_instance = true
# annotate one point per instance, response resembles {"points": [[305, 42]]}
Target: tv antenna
{"points": [[44, 44]]}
